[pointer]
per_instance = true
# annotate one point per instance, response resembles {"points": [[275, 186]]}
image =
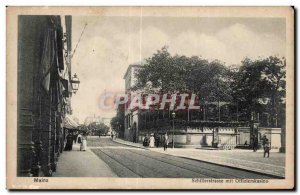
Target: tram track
{"points": [[132, 162]]}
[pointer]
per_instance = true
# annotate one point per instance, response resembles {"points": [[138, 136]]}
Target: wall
{"points": [[228, 137]]}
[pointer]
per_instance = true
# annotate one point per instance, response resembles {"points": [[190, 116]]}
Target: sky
{"points": [[110, 44]]}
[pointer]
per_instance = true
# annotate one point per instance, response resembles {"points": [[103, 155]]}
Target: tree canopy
{"points": [[117, 122], [254, 85], [165, 73], [96, 128]]}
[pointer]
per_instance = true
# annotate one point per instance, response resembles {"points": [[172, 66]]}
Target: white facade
{"points": [[131, 116]]}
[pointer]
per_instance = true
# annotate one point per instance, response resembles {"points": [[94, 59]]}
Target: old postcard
{"points": [[150, 98]]}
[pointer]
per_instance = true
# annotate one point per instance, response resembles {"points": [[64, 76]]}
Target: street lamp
{"points": [[173, 116], [75, 83]]}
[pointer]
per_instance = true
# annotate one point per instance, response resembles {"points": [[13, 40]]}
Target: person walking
{"points": [[114, 135], [267, 148], [264, 142], [166, 141], [75, 137], [79, 138], [146, 141], [69, 144], [152, 141], [157, 140], [255, 143], [83, 143]]}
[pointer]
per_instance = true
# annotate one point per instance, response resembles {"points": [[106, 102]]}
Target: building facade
{"points": [[131, 123], [44, 92]]}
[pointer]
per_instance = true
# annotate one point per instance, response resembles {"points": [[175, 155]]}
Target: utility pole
{"points": [[237, 111], [173, 116], [219, 110]]}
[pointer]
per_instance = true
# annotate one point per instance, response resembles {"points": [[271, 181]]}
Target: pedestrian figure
{"points": [[114, 135], [83, 143], [157, 140], [134, 136], [79, 138], [69, 144], [146, 141], [75, 137], [152, 141], [267, 148], [255, 143], [264, 141], [166, 141]]}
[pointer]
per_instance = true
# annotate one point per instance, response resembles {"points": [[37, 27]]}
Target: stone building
{"points": [[44, 92], [131, 116]]}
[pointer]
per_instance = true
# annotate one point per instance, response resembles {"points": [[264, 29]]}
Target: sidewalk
{"points": [[78, 163], [243, 159]]}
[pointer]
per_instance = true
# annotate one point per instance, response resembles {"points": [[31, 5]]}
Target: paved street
{"points": [[244, 159], [127, 161]]}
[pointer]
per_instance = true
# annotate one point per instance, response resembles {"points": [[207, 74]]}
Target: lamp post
{"points": [[173, 116], [75, 83]]}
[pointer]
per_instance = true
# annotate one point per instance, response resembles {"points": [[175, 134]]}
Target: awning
{"points": [[69, 123]]}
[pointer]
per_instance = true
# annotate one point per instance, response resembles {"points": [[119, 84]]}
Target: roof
{"points": [[69, 123], [129, 68]]}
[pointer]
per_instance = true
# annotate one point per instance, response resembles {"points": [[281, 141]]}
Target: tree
{"points": [[262, 79], [274, 76], [172, 74], [98, 128], [117, 122], [180, 73], [163, 72], [247, 87]]}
